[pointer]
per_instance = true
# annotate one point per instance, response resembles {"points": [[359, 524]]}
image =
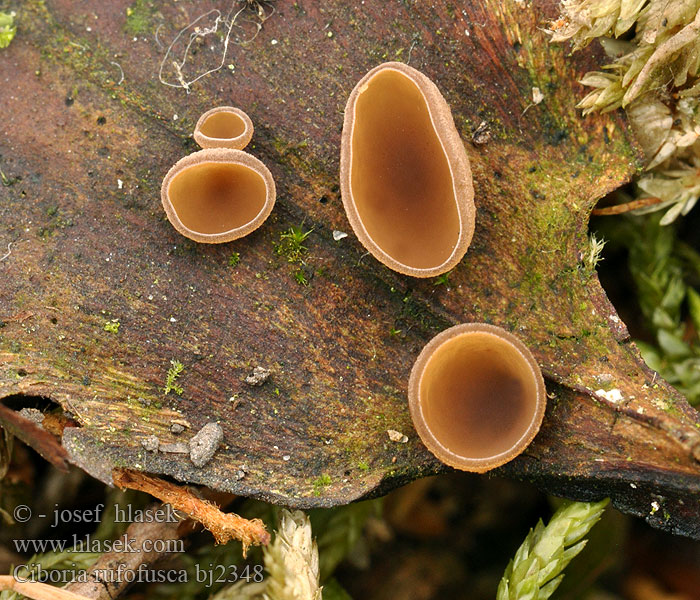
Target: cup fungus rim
{"points": [[454, 152], [235, 143], [447, 456], [224, 156]]}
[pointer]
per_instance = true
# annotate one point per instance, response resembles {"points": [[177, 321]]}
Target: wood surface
{"points": [[83, 153]]}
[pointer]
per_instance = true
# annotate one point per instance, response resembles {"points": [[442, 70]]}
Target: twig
{"points": [[223, 526], [82, 47], [413, 44], [9, 252], [626, 207], [196, 32], [36, 590], [121, 71], [160, 46], [106, 578]]}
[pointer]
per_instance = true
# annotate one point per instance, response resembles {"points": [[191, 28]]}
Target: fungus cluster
{"points": [[404, 174], [476, 393], [220, 193]]}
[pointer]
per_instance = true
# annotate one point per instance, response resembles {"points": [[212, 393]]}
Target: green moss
{"points": [[413, 311], [7, 28], [112, 326], [174, 372], [443, 279], [138, 17], [320, 483], [300, 277], [8, 181], [291, 244], [291, 247]]}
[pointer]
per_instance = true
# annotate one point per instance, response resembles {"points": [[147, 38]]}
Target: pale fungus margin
{"points": [[224, 127], [217, 195], [405, 178], [476, 396]]}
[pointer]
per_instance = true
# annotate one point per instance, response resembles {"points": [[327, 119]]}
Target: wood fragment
{"points": [[36, 590], [618, 209], [30, 433], [106, 578], [223, 526], [537, 184]]}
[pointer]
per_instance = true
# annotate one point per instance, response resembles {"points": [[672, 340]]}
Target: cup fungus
{"points": [[224, 127], [476, 396], [404, 174], [217, 195]]}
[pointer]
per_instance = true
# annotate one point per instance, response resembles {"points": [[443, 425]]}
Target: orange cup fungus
{"points": [[404, 174], [220, 193], [224, 127], [476, 396]]}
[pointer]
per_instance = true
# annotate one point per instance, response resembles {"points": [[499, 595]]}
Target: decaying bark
{"points": [[83, 153]]}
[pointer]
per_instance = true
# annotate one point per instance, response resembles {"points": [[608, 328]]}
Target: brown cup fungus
{"points": [[476, 396], [217, 195], [224, 127], [404, 174]]}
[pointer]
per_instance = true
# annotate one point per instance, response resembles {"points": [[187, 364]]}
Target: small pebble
{"points": [[537, 95], [205, 443], [339, 235], [397, 436], [613, 395], [176, 429], [151, 443], [481, 134], [176, 448], [259, 376]]}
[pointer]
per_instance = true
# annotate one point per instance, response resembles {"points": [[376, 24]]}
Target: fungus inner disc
{"points": [[478, 395], [401, 180], [223, 125], [215, 197]]}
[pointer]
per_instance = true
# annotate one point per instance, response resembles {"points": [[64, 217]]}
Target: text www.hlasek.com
{"points": [[122, 544], [208, 575]]}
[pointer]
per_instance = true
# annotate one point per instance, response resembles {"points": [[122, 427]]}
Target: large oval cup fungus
{"points": [[477, 397], [224, 127], [404, 174], [217, 195]]}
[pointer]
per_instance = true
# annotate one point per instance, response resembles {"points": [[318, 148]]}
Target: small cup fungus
{"points": [[404, 174], [224, 127], [476, 396], [217, 195]]}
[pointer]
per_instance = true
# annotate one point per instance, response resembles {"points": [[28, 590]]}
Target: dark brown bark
{"points": [[87, 249]]}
